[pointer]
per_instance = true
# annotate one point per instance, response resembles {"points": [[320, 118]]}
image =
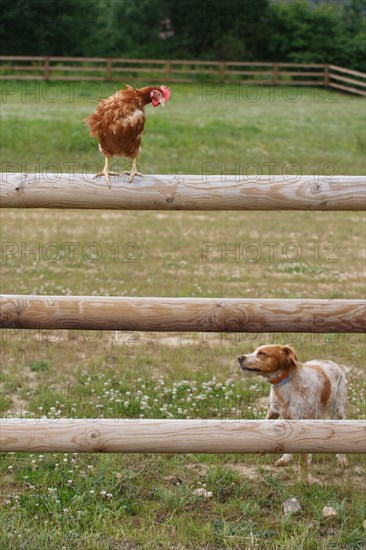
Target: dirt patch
{"points": [[327, 472], [9, 488], [248, 471], [198, 468], [165, 339]]}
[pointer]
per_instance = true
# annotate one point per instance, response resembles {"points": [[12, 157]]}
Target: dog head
{"points": [[269, 361]]}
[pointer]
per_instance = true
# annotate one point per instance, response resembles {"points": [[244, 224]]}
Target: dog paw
{"points": [[342, 461]]}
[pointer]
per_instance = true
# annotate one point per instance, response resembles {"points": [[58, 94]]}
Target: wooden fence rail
{"points": [[182, 436], [339, 75], [182, 314], [179, 71], [168, 192]]}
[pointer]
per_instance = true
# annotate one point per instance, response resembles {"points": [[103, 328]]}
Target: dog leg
{"points": [[305, 474], [284, 460], [272, 414]]}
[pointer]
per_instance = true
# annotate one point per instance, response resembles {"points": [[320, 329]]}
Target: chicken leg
{"points": [[105, 172], [133, 171]]}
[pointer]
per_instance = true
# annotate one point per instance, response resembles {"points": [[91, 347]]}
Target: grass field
{"points": [[141, 501]]}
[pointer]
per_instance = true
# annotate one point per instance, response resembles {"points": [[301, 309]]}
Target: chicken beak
{"points": [[162, 102]]}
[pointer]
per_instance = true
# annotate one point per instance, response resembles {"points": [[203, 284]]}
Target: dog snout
{"points": [[241, 358]]}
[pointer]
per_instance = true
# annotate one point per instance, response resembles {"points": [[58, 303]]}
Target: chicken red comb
{"points": [[166, 92]]}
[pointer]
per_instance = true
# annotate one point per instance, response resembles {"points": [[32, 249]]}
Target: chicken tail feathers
{"points": [[92, 122]]}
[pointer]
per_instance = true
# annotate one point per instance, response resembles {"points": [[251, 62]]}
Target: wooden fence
{"points": [[188, 314], [205, 192], [182, 436], [182, 314], [180, 71], [346, 80]]}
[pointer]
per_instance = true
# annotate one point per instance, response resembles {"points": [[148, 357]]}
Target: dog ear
{"points": [[291, 359]]}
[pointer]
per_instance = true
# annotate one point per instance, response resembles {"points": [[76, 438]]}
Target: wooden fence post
{"points": [[46, 74], [168, 68], [109, 69], [222, 71], [326, 75]]}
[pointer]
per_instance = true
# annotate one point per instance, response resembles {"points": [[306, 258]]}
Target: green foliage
{"points": [[300, 31], [217, 30], [35, 27]]}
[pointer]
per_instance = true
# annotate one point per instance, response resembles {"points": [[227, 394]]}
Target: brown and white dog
{"points": [[315, 389]]}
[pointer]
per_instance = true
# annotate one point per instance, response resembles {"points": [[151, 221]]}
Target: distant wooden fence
{"points": [[177, 71], [342, 78], [181, 314]]}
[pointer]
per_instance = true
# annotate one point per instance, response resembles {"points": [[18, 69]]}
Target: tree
{"points": [[321, 33], [246, 30], [218, 29], [35, 27]]}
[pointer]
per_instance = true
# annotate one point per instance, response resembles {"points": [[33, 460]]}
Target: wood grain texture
{"points": [[169, 192], [182, 436], [182, 314]]}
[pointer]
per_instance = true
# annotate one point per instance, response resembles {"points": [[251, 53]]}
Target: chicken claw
{"points": [[133, 172], [105, 172]]}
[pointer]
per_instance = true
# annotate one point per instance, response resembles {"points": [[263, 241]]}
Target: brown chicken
{"points": [[119, 122]]}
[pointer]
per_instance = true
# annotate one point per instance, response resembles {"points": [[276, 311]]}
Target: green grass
{"points": [[139, 501], [321, 130]]}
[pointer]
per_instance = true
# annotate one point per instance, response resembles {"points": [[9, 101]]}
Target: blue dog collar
{"points": [[284, 381]]}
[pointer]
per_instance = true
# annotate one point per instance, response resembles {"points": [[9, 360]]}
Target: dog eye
{"points": [[261, 353]]}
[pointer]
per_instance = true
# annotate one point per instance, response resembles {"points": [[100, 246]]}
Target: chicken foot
{"points": [[105, 172], [133, 171]]}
